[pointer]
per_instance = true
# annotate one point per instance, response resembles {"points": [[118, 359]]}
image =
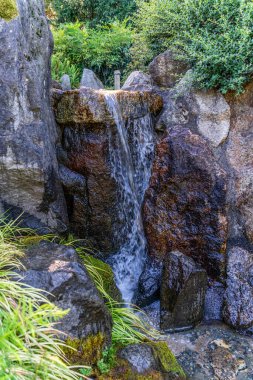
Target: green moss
{"points": [[85, 351], [107, 275], [8, 9], [168, 362]]}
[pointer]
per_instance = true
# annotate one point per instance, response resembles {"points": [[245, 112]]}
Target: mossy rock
{"points": [[8, 9], [107, 275], [86, 351], [167, 360]]}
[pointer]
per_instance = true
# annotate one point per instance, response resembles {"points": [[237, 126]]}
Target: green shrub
{"points": [[103, 50], [8, 9], [214, 36], [61, 66], [29, 347], [93, 11]]}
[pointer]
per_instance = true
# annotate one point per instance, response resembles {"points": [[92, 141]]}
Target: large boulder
{"points": [[57, 270], [182, 293], [90, 80], [204, 112], [165, 70], [28, 166], [185, 204], [238, 304]]}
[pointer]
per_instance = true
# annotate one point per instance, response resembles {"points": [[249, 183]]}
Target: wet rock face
{"points": [[28, 166], [89, 136], [165, 70], [184, 206], [56, 269], [149, 283], [238, 305], [182, 292], [213, 352]]}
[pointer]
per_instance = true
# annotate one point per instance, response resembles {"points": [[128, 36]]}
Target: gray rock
{"points": [[214, 301], [90, 80], [28, 166], [238, 305], [153, 314], [57, 270], [140, 356], [204, 112], [182, 293], [149, 283], [165, 70], [65, 82], [138, 81], [213, 121]]}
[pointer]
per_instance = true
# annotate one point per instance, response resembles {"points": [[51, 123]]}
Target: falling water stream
{"points": [[130, 158]]}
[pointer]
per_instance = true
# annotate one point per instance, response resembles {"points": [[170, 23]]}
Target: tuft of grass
{"points": [[29, 347], [129, 322]]}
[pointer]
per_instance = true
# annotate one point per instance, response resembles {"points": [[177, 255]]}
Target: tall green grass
{"points": [[29, 347], [130, 323]]}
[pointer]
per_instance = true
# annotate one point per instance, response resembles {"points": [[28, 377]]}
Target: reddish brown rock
{"points": [[184, 207], [89, 138]]}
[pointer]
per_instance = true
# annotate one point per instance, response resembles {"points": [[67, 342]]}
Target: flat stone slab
{"points": [[86, 105]]}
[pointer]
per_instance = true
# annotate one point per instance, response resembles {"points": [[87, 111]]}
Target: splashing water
{"points": [[131, 157]]}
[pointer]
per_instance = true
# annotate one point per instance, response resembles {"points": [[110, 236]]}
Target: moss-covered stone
{"points": [[107, 275], [8, 9], [167, 360], [85, 351]]}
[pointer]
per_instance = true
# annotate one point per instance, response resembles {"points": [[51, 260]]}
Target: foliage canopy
{"points": [[93, 11], [214, 36], [102, 49]]}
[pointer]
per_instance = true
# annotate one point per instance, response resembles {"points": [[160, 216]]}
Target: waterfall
{"points": [[131, 156]]}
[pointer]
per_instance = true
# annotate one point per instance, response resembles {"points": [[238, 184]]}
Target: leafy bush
{"points": [[61, 66], [93, 11], [214, 36], [103, 50], [8, 9], [29, 348]]}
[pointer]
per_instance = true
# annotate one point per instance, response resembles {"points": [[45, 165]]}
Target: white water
{"points": [[131, 154]]}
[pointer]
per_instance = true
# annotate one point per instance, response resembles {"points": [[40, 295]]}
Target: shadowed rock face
{"points": [[184, 207], [57, 270], [28, 166], [182, 292], [89, 134]]}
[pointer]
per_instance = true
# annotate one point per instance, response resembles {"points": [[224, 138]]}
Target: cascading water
{"points": [[130, 158]]}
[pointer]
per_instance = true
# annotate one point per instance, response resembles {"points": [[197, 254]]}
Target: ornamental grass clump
{"points": [[29, 347]]}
